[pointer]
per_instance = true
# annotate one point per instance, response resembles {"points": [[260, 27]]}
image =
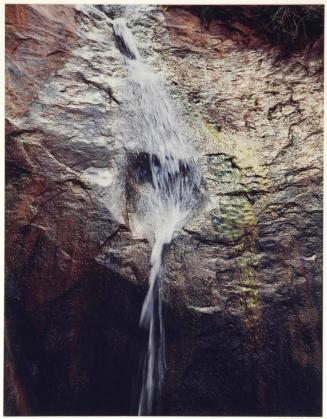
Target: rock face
{"points": [[242, 280]]}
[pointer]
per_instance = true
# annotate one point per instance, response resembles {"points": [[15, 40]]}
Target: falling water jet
{"points": [[174, 182]]}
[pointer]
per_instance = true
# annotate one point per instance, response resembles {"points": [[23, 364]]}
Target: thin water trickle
{"points": [[174, 180]]}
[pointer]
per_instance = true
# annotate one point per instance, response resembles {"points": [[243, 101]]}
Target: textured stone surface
{"points": [[242, 280], [253, 288]]}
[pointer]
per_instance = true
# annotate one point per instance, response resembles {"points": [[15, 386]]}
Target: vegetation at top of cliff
{"points": [[292, 28]]}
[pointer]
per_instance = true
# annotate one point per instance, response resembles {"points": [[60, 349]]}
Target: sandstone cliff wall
{"points": [[242, 280]]}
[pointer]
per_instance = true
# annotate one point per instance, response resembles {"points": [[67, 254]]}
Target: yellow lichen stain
{"points": [[250, 299], [235, 218], [238, 146], [244, 152], [213, 131]]}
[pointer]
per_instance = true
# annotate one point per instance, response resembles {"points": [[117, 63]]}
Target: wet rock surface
{"points": [[242, 284]]}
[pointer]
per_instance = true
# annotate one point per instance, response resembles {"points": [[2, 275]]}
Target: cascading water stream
{"points": [[171, 197]]}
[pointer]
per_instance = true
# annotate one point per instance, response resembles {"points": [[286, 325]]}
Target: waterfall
{"points": [[154, 129]]}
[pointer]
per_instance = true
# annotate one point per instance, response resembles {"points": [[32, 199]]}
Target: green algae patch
{"points": [[237, 175], [225, 174], [233, 218]]}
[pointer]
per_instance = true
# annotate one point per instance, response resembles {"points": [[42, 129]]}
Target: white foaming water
{"points": [[174, 180]]}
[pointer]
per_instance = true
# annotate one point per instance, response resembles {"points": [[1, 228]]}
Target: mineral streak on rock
{"points": [[242, 280]]}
